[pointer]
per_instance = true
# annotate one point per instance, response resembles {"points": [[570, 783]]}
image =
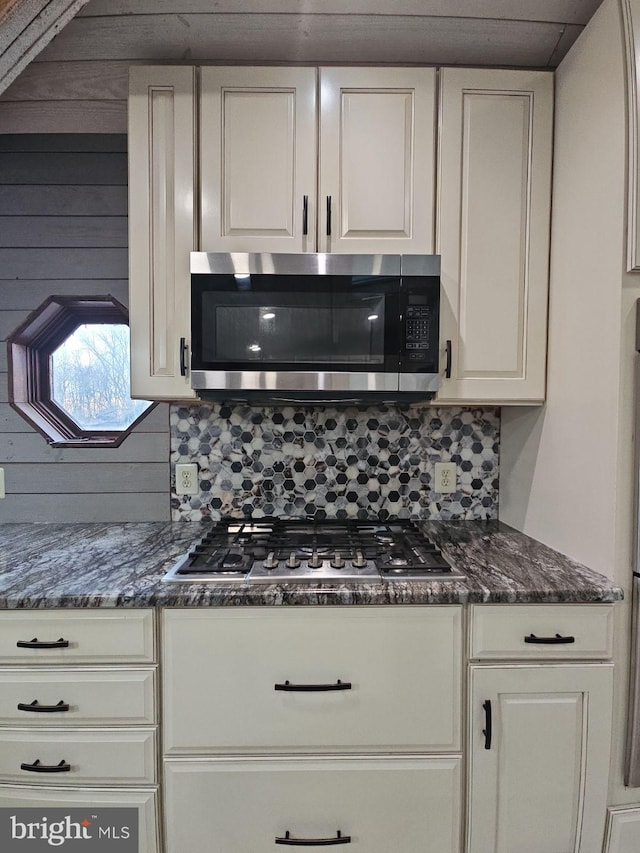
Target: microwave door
{"points": [[297, 332], [314, 333]]}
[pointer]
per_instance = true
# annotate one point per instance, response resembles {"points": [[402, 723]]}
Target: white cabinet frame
{"points": [[631, 26], [161, 228]]}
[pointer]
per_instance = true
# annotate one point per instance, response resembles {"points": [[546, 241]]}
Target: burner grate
{"points": [[306, 551]]}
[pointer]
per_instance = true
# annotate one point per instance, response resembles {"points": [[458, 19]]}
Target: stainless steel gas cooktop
{"points": [[307, 551]]}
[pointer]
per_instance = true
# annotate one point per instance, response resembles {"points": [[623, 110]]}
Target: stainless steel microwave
{"points": [[319, 327]]}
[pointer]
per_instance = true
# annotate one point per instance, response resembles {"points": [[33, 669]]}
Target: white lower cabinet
{"points": [[77, 637], [63, 697], [312, 679], [80, 736], [92, 799], [623, 830], [289, 725], [539, 757], [409, 804], [78, 756]]}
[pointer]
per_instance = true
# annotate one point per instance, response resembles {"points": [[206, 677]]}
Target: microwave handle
{"points": [[322, 401], [183, 356]]}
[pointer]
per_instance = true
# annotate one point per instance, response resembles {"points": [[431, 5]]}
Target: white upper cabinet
{"points": [[344, 160], [161, 228], [494, 178], [258, 159], [377, 144], [261, 130]]}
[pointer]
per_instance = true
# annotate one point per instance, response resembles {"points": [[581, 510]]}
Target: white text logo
{"points": [[54, 833]]}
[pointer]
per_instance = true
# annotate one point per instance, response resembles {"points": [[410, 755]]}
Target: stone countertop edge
{"points": [[45, 566]]}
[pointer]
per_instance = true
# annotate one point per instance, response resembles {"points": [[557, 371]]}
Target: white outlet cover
{"points": [[445, 478], [187, 479]]}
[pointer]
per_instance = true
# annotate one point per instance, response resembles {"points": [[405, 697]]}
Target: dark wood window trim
{"points": [[30, 348]]}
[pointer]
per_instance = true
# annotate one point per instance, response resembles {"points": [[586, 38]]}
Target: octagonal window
{"points": [[69, 372], [90, 378]]}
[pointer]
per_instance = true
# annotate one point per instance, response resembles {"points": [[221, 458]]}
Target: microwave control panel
{"points": [[418, 332], [421, 330]]}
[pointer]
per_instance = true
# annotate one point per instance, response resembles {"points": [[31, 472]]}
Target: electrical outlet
{"points": [[2, 491], [445, 478], [187, 478]]}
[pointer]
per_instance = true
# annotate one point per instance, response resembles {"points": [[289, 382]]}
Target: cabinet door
{"points": [[258, 159], [493, 232], [377, 143], [161, 228], [623, 830], [540, 782], [381, 804]]}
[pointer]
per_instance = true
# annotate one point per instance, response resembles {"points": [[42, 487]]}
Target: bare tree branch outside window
{"points": [[90, 377]]}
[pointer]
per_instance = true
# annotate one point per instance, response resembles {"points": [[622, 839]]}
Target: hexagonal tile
{"points": [[378, 462]]}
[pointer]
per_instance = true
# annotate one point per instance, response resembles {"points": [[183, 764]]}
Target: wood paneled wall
{"points": [[78, 83], [63, 231]]}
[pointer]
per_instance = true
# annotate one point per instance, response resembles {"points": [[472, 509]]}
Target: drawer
{"points": [[83, 696], [541, 631], [95, 757], [238, 679], [89, 636], [382, 804], [95, 803]]}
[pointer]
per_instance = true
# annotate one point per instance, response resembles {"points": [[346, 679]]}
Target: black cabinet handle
{"points": [[43, 644], [183, 356], [305, 215], [328, 216], [36, 767], [312, 688], [46, 709], [447, 368], [549, 641], [487, 731], [313, 842]]}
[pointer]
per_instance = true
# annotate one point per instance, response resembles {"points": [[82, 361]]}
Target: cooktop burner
{"points": [[301, 551]]}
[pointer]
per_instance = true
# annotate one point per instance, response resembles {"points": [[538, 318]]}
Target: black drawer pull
{"points": [[549, 641], [36, 767], [312, 688], [43, 644], [305, 215], [45, 709], [313, 842], [328, 216], [488, 730]]}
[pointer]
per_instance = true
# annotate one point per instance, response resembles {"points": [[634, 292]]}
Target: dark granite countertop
{"points": [[122, 565]]}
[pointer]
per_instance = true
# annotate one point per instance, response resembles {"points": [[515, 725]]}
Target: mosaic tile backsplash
{"points": [[354, 462]]}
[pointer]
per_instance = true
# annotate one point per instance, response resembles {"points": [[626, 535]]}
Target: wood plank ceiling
{"points": [[83, 70], [26, 27]]}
